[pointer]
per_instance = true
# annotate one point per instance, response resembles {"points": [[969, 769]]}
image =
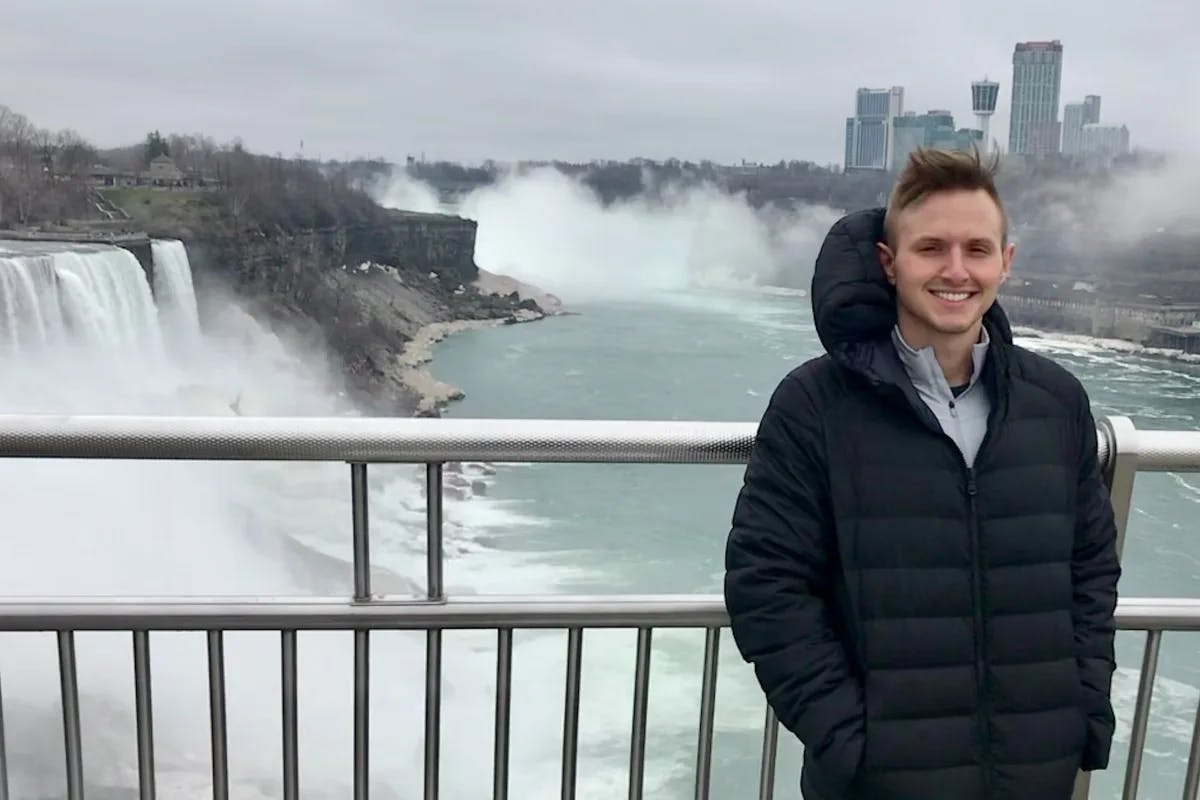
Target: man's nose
{"points": [[955, 268]]}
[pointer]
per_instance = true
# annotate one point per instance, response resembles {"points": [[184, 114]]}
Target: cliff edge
{"points": [[362, 290]]}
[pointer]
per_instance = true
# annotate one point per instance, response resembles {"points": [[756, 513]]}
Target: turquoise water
{"points": [[652, 528]]}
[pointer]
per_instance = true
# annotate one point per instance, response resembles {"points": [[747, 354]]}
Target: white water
{"points": [[80, 528], [97, 296], [173, 289]]}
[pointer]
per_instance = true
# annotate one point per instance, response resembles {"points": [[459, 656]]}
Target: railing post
{"points": [[362, 641], [3, 753], [641, 697], [70, 710], [1191, 781], [145, 714], [1120, 469], [504, 646], [570, 746], [708, 699], [433, 532], [1141, 714], [435, 591], [770, 748], [216, 711]]}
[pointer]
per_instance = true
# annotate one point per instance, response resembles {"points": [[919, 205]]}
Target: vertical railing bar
{"points": [[1141, 714], [504, 647], [1120, 471], [1191, 781], [570, 747], [291, 741], [641, 698], [766, 776], [433, 531], [3, 751], [359, 506], [362, 719], [70, 711], [362, 540], [145, 714], [435, 590], [708, 702], [216, 714], [433, 712]]}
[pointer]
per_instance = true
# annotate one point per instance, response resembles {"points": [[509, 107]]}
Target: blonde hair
{"points": [[931, 170]]}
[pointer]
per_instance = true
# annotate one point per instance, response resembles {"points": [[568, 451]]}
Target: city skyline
{"points": [[469, 81], [1034, 128]]}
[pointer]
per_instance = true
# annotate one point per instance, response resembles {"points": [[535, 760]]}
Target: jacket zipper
{"points": [[976, 569], [977, 608]]}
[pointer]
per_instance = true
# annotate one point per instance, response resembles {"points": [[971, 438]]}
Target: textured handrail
{"points": [[374, 439], [424, 440], [486, 613], [1167, 451]]}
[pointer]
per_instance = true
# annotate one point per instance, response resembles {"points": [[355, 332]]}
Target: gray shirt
{"points": [[963, 418]]}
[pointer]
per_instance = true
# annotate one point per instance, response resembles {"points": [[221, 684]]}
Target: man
{"points": [[922, 563]]}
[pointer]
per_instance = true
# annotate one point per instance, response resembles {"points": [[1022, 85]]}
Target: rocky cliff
{"points": [[363, 291]]}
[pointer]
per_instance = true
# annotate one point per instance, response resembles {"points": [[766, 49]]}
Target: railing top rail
{"points": [[374, 439], [427, 440], [526, 612]]}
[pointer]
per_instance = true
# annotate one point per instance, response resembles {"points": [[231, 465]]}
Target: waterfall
{"points": [[173, 289], [93, 295]]}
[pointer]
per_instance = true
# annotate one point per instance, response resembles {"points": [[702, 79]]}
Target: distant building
{"points": [[868, 133], [1033, 127], [1075, 116], [1104, 142], [932, 129], [163, 172], [984, 95]]}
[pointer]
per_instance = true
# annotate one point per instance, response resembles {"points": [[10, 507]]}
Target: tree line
{"points": [[43, 173], [45, 177]]}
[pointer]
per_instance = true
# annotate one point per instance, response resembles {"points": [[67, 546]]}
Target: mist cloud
{"points": [[549, 229]]}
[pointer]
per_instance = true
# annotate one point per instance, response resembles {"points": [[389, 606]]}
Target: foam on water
{"points": [[146, 528]]}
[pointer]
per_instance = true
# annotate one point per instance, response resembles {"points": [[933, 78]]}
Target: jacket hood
{"points": [[853, 304]]}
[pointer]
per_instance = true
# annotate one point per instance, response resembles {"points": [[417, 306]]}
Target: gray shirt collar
{"points": [[923, 368]]}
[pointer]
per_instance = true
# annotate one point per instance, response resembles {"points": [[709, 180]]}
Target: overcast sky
{"points": [[572, 79]]}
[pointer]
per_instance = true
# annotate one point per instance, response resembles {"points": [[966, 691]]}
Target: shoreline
{"points": [[432, 394], [1112, 344]]}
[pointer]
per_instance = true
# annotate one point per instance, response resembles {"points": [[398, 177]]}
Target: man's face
{"points": [[947, 263]]}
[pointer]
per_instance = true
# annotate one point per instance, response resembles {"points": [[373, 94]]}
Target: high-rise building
{"points": [[1104, 142], [984, 94], [868, 132], [932, 129], [1075, 116], [1072, 131], [1033, 127]]}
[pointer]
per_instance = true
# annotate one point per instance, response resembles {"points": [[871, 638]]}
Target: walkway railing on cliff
{"points": [[1123, 450]]}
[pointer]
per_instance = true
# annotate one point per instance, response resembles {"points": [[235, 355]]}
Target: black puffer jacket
{"points": [[926, 630]]}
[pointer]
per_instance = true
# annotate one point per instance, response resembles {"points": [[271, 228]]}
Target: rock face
{"points": [[365, 290]]}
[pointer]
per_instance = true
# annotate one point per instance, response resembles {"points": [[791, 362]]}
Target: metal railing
{"points": [[1123, 451]]}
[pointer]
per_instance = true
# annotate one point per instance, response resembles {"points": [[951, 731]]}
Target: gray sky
{"points": [[573, 79]]}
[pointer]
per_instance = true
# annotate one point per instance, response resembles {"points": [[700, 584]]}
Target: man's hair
{"points": [[932, 170]]}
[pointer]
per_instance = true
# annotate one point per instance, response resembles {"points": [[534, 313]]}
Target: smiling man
{"points": [[922, 562]]}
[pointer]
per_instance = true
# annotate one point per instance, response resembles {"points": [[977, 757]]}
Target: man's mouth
{"points": [[952, 297]]}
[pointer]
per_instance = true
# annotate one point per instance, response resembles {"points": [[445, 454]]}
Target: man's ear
{"points": [[887, 260], [1008, 253]]}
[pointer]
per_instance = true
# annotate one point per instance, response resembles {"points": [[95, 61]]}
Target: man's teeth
{"points": [[953, 297]]}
